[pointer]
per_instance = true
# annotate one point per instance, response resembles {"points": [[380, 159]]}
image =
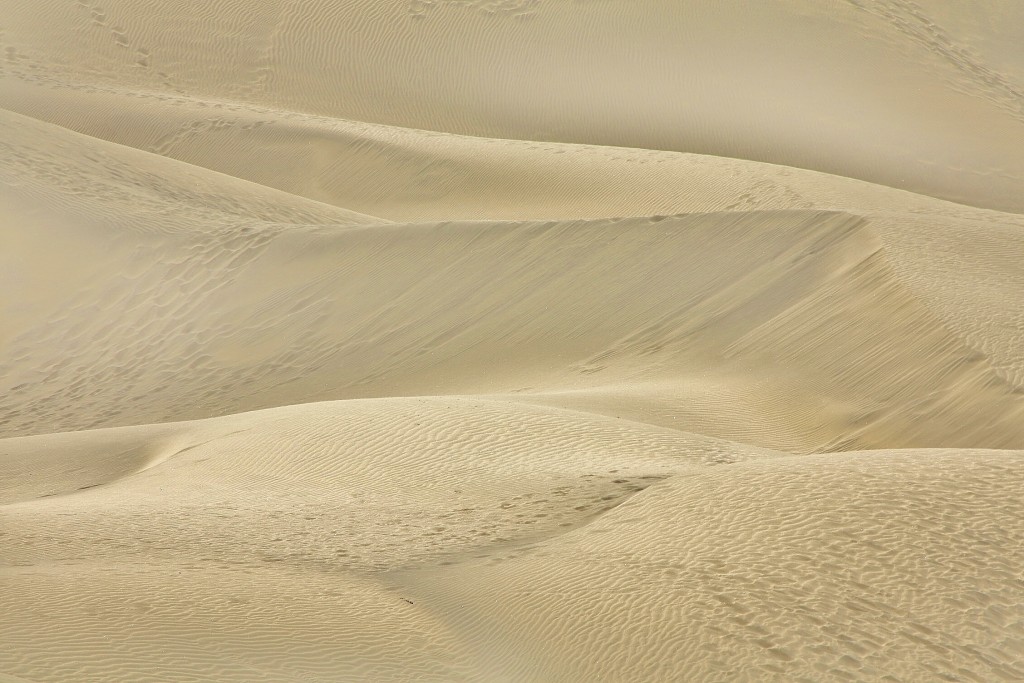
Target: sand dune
{"points": [[531, 340], [678, 314], [370, 487], [789, 569], [872, 90]]}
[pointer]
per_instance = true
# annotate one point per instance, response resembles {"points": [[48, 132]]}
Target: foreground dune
{"points": [[483, 539], [384, 341]]}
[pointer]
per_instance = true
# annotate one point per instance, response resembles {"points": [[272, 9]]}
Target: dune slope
{"points": [[872, 90]]}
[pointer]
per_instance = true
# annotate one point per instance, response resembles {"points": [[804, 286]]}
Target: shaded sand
{"points": [[442, 340]]}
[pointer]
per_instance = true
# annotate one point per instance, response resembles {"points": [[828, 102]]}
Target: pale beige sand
{"points": [[472, 340], [925, 96]]}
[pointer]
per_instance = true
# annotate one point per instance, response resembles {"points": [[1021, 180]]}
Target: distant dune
{"points": [[511, 340]]}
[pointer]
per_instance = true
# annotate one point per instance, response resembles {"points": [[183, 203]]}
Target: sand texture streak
{"points": [[511, 340]]}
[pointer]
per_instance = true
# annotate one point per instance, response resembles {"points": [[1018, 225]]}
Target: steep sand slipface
{"points": [[701, 322], [327, 354]]}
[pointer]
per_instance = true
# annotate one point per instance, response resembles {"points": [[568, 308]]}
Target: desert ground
{"points": [[511, 340]]}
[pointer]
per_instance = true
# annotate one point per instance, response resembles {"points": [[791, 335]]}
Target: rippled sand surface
{"points": [[511, 340]]}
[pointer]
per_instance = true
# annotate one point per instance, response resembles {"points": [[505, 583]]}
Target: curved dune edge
{"points": [[408, 174], [939, 249], [759, 307]]}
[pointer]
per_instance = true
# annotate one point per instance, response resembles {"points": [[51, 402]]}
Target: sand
{"points": [[520, 340]]}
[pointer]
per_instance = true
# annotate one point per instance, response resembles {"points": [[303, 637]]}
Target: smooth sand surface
{"points": [[511, 340]]}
